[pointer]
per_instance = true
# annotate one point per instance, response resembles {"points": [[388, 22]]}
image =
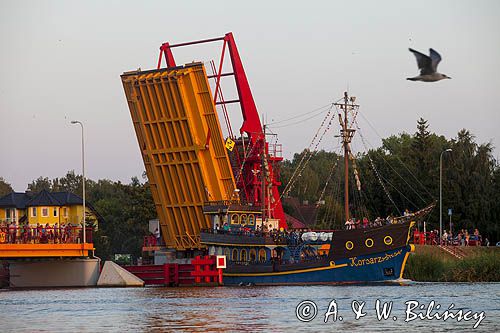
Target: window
{"points": [[234, 219], [33, 211], [10, 214], [45, 211], [227, 253], [65, 211], [252, 255], [235, 255], [56, 211], [243, 219], [251, 219], [243, 255], [262, 255]]}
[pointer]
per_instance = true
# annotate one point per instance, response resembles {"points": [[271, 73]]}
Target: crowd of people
{"points": [[294, 236], [279, 236], [464, 238], [39, 234], [354, 223], [461, 238]]}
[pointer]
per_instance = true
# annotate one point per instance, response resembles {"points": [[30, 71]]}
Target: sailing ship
{"points": [[219, 193], [259, 253]]}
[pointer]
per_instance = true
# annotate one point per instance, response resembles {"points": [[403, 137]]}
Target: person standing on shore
{"points": [[12, 233], [157, 236]]}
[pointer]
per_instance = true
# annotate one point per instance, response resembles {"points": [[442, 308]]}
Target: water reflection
{"points": [[250, 309], [203, 309]]}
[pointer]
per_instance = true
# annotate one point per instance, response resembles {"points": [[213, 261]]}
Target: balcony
{"points": [[22, 242], [209, 236]]}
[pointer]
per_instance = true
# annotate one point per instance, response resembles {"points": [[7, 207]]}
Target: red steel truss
{"points": [[258, 174]]}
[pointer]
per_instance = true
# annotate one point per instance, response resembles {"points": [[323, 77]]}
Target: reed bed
{"points": [[433, 265]]}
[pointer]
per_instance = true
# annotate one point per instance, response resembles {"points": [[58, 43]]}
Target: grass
{"points": [[431, 264]]}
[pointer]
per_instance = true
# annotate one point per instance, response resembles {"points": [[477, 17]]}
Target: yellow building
{"points": [[13, 207], [45, 207]]}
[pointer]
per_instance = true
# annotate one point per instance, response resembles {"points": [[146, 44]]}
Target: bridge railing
{"points": [[44, 235]]}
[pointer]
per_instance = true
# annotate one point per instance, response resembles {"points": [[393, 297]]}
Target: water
{"points": [[250, 309]]}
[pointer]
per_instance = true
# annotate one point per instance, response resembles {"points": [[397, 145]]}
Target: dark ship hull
{"points": [[375, 254], [385, 266]]}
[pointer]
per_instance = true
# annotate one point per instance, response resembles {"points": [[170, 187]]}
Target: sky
{"points": [[62, 60]]}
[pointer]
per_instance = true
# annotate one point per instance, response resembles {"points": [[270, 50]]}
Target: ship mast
{"points": [[346, 133]]}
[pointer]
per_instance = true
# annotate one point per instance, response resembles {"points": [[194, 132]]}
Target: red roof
{"points": [[293, 223]]}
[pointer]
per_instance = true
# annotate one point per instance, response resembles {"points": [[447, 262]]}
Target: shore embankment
{"points": [[432, 264]]}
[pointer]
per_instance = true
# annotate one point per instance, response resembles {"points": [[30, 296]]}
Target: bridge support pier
{"points": [[52, 272]]}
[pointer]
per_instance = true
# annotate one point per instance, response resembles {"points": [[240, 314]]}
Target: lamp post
{"points": [[83, 176], [441, 194]]}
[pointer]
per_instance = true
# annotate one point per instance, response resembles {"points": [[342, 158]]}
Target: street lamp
{"points": [[441, 194], [83, 176]]}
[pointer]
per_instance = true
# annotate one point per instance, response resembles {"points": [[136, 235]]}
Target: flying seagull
{"points": [[428, 66]]}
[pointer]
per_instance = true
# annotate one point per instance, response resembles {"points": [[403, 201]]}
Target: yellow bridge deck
{"points": [[182, 147]]}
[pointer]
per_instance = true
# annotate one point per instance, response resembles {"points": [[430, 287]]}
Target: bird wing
{"points": [[424, 62], [435, 57]]}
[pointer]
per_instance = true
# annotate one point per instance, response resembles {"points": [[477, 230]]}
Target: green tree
{"points": [[470, 184], [126, 210], [5, 187], [71, 183], [39, 184]]}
